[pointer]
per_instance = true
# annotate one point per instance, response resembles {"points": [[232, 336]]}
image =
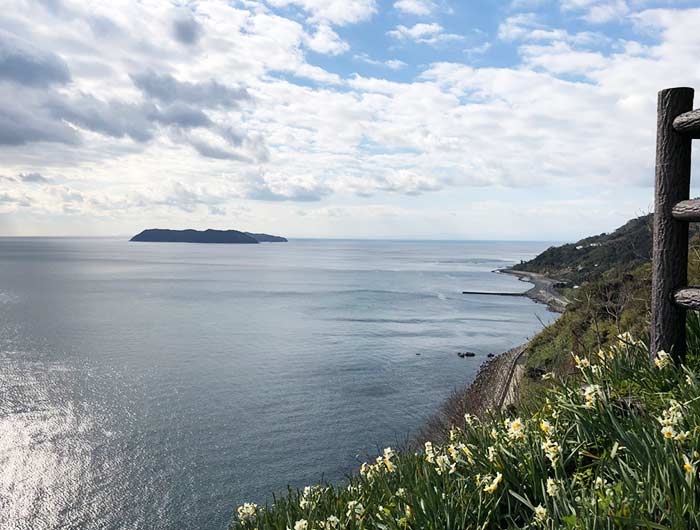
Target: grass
{"points": [[613, 296], [614, 446]]}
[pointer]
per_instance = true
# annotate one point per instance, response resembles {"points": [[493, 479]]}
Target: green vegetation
{"points": [[614, 445], [590, 258], [599, 311], [608, 280]]}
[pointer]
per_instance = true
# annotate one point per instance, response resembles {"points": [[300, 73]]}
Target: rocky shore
{"points": [[492, 386]]}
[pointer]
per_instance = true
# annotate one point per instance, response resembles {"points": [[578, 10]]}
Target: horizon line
{"points": [[308, 238]]}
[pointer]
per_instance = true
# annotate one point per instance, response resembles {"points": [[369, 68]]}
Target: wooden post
{"points": [[670, 254]]}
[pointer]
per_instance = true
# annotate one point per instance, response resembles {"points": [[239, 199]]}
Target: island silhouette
{"points": [[159, 235]]}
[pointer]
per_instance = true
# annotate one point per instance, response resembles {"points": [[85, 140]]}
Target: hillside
{"points": [[608, 280], [591, 257]]}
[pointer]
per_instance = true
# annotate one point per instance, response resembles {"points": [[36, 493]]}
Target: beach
{"points": [[542, 291]]}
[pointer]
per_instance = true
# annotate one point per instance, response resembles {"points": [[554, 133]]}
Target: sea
{"points": [[159, 385]]}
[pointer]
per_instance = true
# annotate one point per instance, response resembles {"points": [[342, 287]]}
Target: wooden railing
{"points": [[677, 125]]}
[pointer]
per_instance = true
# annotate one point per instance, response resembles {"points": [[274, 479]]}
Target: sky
{"points": [[426, 119]]}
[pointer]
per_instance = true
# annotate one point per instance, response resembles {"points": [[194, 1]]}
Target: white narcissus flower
{"points": [[546, 427], [581, 362], [668, 432], [551, 450], [491, 453], [429, 454], [331, 523], [688, 466], [662, 360], [442, 464], [540, 514], [388, 455], [625, 338], [515, 429], [467, 452], [355, 509], [247, 511], [493, 486], [590, 395], [452, 450], [671, 416], [682, 436]]}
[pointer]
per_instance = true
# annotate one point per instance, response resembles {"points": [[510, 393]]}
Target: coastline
{"points": [[492, 386], [496, 384], [542, 291]]}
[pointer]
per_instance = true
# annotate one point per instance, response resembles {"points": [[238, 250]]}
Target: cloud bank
{"points": [[279, 112]]}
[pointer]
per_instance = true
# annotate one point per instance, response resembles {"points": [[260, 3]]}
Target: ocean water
{"points": [[159, 385]]}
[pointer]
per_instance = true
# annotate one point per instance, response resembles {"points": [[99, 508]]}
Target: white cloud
{"points": [[597, 11], [403, 181], [393, 64], [517, 26], [325, 40], [432, 33], [182, 132], [339, 12], [527, 27], [478, 50], [561, 58], [416, 7]]}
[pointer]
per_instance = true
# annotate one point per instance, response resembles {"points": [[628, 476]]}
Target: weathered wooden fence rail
{"points": [[677, 125]]}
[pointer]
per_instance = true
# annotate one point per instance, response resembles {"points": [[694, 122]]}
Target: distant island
{"points": [[267, 238], [158, 235]]}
